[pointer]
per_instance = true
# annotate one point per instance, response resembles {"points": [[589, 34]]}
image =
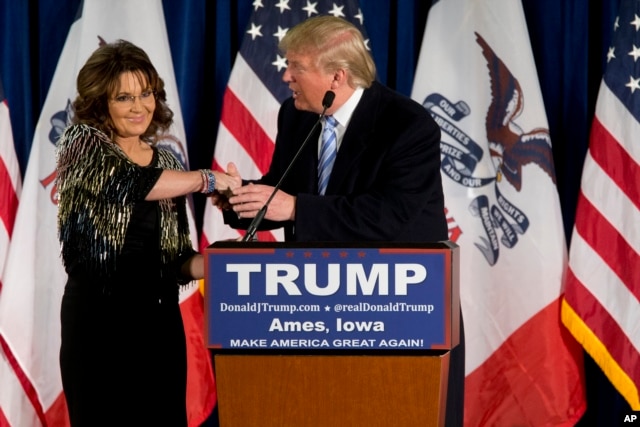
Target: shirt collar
{"points": [[344, 113]]}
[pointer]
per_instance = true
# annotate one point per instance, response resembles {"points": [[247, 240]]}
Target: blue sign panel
{"points": [[328, 298]]}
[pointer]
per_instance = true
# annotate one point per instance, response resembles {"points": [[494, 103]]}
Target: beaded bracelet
{"points": [[208, 181]]}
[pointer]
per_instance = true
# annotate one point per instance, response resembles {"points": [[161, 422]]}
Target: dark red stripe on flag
{"points": [[9, 204], [246, 130], [609, 244], [603, 325], [507, 389], [27, 386], [216, 166], [615, 161], [57, 413], [3, 419], [201, 392]]}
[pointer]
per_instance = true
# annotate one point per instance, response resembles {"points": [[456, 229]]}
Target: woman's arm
{"points": [[173, 183], [194, 267]]}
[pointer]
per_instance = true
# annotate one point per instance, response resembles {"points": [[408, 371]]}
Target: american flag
{"points": [[601, 306], [10, 187], [10, 181], [254, 93]]}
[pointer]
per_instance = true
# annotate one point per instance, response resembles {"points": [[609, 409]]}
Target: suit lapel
{"points": [[355, 139]]}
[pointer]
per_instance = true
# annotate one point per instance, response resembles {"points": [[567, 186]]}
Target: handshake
{"points": [[247, 200]]}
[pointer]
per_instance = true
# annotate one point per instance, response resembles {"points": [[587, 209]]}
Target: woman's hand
{"points": [[226, 182]]}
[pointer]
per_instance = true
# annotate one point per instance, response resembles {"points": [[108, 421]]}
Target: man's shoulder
{"points": [[388, 102], [389, 95]]}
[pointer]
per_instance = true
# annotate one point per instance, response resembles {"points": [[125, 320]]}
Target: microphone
{"points": [[327, 100]]}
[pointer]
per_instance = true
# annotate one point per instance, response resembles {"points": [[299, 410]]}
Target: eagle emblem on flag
{"points": [[510, 149]]}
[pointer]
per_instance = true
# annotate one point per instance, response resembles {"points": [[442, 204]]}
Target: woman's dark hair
{"points": [[99, 79]]}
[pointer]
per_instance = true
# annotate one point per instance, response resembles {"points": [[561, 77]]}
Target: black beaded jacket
{"points": [[98, 186]]}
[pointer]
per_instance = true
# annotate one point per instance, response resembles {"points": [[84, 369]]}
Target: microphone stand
{"points": [[253, 227]]}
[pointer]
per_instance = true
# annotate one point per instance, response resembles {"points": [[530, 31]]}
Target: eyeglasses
{"points": [[146, 97]]}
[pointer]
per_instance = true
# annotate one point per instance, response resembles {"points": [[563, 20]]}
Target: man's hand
{"points": [[249, 199]]}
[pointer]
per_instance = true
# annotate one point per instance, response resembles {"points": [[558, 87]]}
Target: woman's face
{"points": [[131, 107]]}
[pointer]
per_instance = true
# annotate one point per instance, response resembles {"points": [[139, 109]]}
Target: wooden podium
{"points": [[259, 385]]}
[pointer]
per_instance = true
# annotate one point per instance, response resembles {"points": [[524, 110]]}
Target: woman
{"points": [[123, 227]]}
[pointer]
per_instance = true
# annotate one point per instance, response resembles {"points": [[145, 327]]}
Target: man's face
{"points": [[306, 81]]}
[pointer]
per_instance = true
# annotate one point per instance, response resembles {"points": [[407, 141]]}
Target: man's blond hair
{"points": [[335, 44]]}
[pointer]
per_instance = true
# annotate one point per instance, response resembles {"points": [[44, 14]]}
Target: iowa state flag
{"points": [[253, 96], [34, 279], [601, 305], [477, 78]]}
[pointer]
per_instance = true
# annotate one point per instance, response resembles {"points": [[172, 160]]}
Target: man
{"points": [[385, 183]]}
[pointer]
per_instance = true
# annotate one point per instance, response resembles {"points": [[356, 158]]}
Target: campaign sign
{"points": [[276, 296]]}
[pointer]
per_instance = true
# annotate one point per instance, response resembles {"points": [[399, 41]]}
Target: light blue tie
{"points": [[328, 152]]}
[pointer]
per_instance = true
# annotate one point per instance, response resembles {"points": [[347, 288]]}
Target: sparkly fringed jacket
{"points": [[98, 186]]}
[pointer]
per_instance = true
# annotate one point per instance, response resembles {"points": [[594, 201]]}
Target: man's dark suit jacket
{"points": [[385, 184]]}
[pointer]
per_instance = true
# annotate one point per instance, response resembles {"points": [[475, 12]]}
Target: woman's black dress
{"points": [[123, 353]]}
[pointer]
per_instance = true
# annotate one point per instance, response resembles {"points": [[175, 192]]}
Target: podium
{"points": [[331, 334]]}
